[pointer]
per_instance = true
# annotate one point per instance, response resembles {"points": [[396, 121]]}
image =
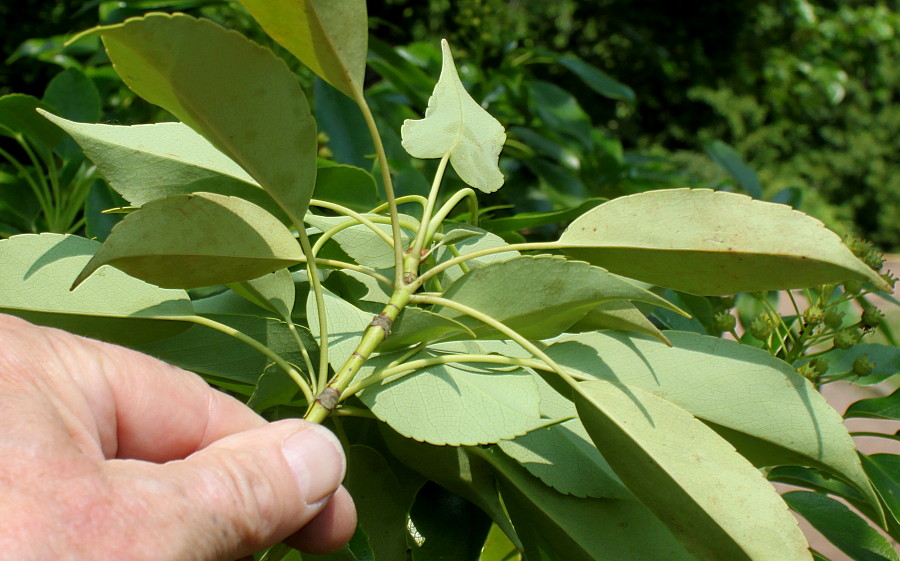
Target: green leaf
{"points": [[18, 117], [347, 185], [416, 325], [722, 383], [339, 118], [328, 36], [710, 497], [850, 533], [498, 547], [74, 96], [539, 297], [346, 324], [563, 456], [712, 243], [486, 240], [467, 403], [596, 79], [452, 527], [565, 527], [731, 161], [885, 357], [455, 124], [524, 220], [36, 275], [274, 292], [359, 242], [456, 469], [887, 407], [213, 353], [381, 501], [148, 162], [274, 387], [252, 109], [884, 471], [204, 239], [619, 315]]}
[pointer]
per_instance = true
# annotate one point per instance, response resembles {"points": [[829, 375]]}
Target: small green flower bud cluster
{"points": [[724, 321], [761, 327], [866, 251], [834, 319], [871, 317], [846, 338], [863, 365], [814, 316]]}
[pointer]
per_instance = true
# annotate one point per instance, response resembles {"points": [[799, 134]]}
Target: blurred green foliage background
{"points": [[788, 100]]}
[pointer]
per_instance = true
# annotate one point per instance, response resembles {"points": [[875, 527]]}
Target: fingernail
{"points": [[315, 456]]}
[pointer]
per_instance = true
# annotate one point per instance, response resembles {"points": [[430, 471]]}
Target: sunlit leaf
{"points": [[711, 498], [619, 315], [771, 414], [274, 291], [204, 239], [467, 404], [712, 243], [455, 124], [557, 526], [328, 36], [36, 275], [539, 297], [252, 109], [346, 324]]}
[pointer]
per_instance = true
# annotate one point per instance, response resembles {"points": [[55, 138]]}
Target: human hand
{"points": [[106, 453]]}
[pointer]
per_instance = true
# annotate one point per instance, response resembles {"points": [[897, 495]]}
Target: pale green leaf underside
{"points": [[252, 109], [713, 243], [539, 297], [727, 384], [455, 124], [204, 239], [618, 315], [467, 245], [147, 162], [274, 292], [457, 404], [328, 36], [710, 497], [36, 275], [556, 526], [359, 242], [346, 324]]}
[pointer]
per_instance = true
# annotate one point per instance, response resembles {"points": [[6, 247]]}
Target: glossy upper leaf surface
{"points": [[455, 124], [712, 243]]}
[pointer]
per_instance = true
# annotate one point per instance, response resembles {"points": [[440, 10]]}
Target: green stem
{"points": [[302, 347], [422, 235], [388, 188], [312, 272], [359, 219], [405, 368], [445, 210], [441, 267], [269, 353], [400, 200], [354, 267], [330, 395], [348, 411], [502, 328], [39, 190]]}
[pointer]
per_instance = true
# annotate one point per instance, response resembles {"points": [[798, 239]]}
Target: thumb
{"points": [[241, 493]]}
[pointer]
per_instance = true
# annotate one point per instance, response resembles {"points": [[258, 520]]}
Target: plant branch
{"points": [[422, 237], [441, 267]]}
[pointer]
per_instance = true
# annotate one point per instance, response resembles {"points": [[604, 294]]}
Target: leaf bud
{"points": [[761, 327], [808, 371], [872, 317], [724, 321], [813, 315], [853, 287], [820, 365], [846, 338], [834, 319], [863, 365]]}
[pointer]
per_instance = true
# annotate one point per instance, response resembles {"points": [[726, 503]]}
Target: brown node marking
{"points": [[384, 322], [409, 277], [328, 398]]}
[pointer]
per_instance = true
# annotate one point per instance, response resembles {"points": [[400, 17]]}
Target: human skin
{"points": [[106, 453]]}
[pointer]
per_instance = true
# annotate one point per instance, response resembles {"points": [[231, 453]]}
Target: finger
{"points": [[241, 493], [132, 405], [330, 530]]}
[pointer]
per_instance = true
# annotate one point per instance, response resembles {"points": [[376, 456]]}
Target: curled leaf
{"points": [[455, 124]]}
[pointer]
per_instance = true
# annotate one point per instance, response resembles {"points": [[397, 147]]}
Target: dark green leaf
{"points": [[887, 407], [347, 185], [731, 161], [850, 533], [453, 528], [596, 79]]}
